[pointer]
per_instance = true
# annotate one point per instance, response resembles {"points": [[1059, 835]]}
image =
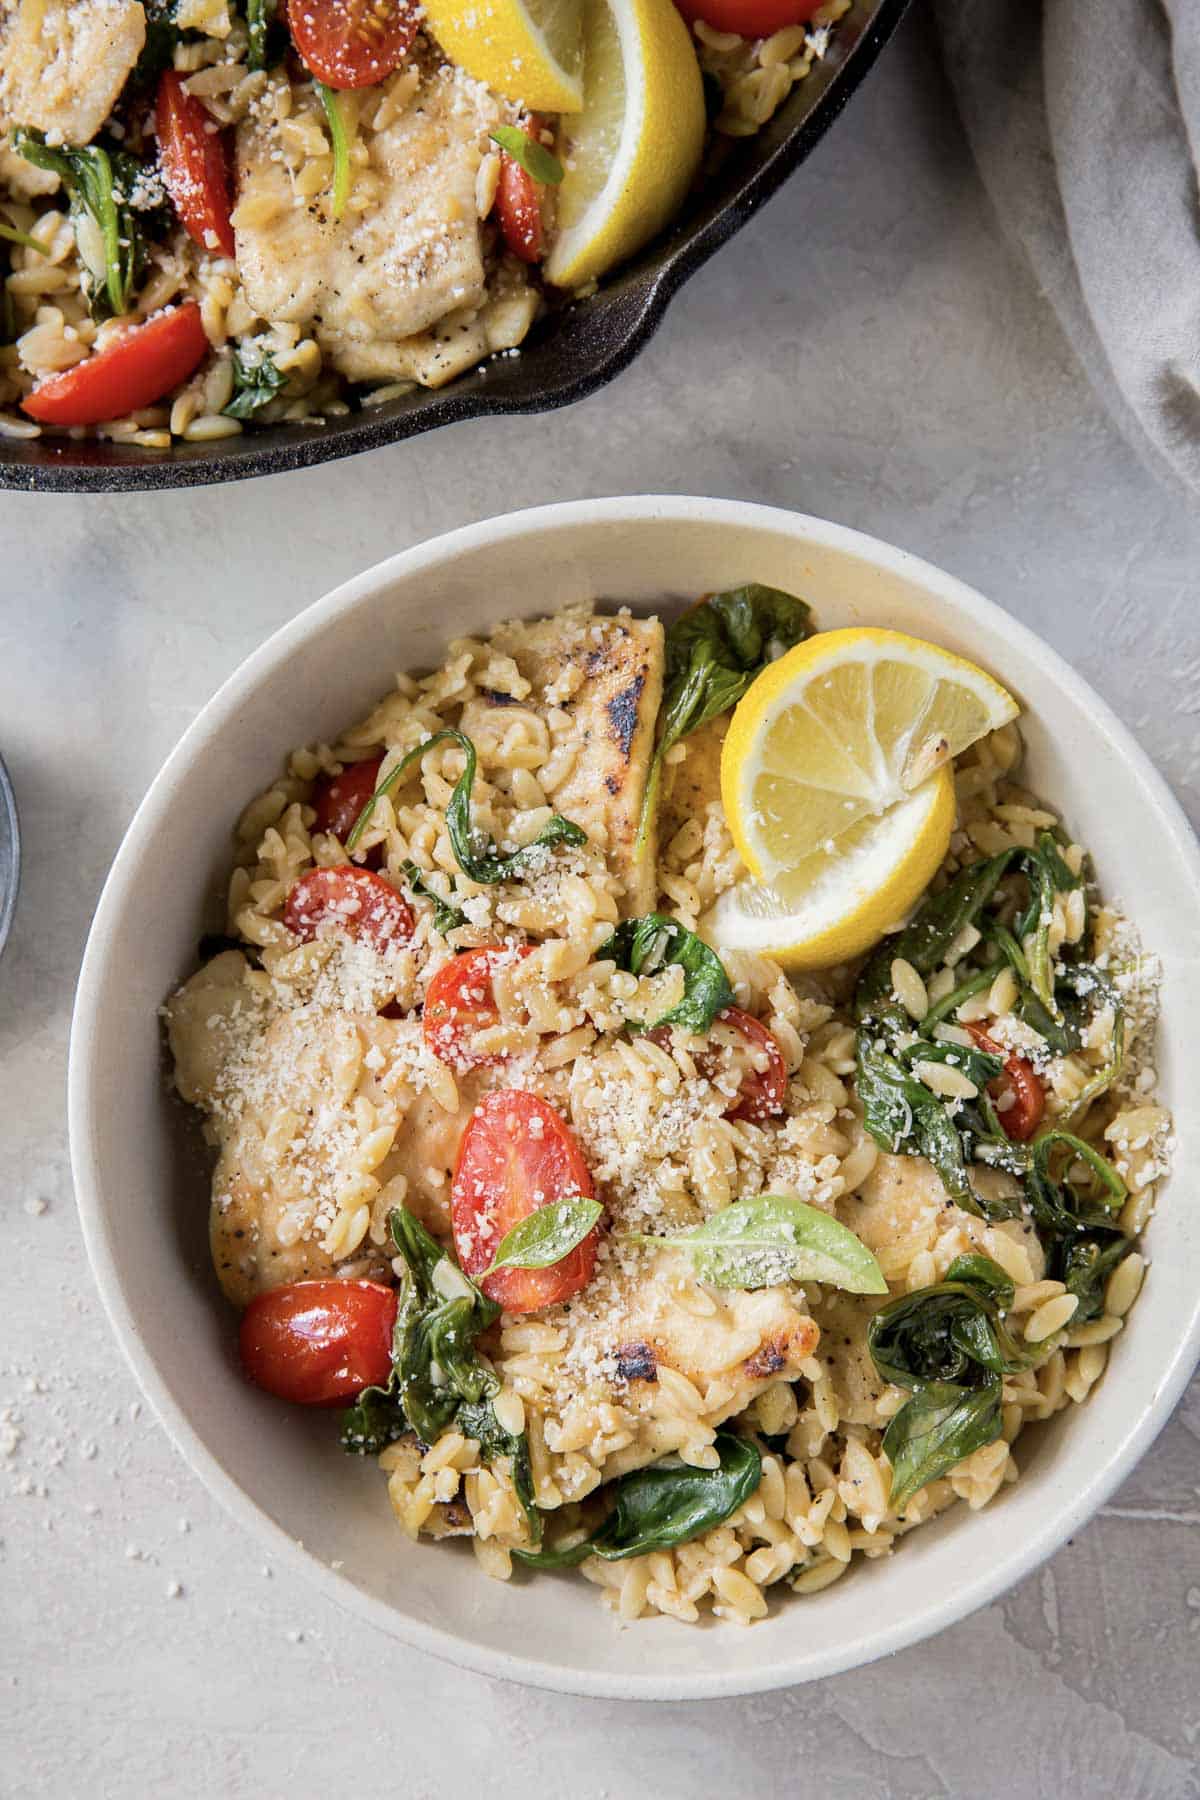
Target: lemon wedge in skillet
{"points": [[525, 50], [631, 154], [835, 778]]}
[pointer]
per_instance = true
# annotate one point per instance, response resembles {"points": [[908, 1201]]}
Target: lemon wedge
{"points": [[840, 899], [839, 730], [631, 154], [525, 50]]}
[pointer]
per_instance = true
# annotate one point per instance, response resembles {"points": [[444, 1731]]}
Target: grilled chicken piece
{"points": [[606, 673], [64, 62], [370, 281]]}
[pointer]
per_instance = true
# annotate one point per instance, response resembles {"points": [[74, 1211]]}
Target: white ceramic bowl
{"points": [[143, 1200]]}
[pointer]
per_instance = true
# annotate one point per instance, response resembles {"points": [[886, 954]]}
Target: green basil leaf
{"points": [[664, 1506], [479, 861], [546, 1235], [713, 653], [647, 945], [532, 155], [772, 1238], [446, 916], [936, 1429], [256, 382]]}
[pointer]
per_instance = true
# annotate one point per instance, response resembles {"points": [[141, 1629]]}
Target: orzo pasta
{"points": [[217, 214], [622, 1249]]}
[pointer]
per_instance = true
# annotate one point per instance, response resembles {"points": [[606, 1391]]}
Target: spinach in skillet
{"points": [[713, 653], [116, 202], [647, 945], [663, 1506], [478, 857], [949, 1346], [256, 382]]}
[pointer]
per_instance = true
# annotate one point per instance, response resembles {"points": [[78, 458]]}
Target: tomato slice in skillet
{"points": [[517, 1155], [1022, 1118], [319, 1343], [135, 369], [749, 18], [763, 1091], [194, 164], [460, 1001], [352, 43], [356, 901], [519, 202]]}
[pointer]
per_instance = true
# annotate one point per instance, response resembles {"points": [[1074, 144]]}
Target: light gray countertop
{"points": [[870, 351]]}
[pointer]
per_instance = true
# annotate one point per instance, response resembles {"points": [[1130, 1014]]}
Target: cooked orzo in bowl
{"points": [[623, 1245]]}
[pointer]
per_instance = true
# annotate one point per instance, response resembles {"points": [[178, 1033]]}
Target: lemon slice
{"points": [[632, 153], [526, 50], [838, 730], [841, 899]]}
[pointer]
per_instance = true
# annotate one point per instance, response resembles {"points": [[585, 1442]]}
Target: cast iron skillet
{"points": [[569, 354]]}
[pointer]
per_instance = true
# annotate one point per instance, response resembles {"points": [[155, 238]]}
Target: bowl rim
{"points": [[1115, 1458], [299, 447], [10, 831]]}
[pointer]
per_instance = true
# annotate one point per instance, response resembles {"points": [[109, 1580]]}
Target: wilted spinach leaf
{"points": [[950, 1346], [665, 1505], [478, 858], [713, 652], [114, 200], [256, 382], [446, 916], [646, 945]]}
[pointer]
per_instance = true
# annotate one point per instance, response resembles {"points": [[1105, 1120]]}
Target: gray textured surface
{"points": [[868, 350]]}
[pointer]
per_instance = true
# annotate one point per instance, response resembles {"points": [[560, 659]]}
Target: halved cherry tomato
{"points": [[194, 163], [519, 202], [352, 43], [360, 902], [749, 18], [135, 370], [338, 799], [319, 1343], [517, 1155], [459, 1002], [1022, 1118], [762, 1091]]}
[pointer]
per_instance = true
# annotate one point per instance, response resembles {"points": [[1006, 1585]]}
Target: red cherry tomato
{"points": [[194, 164], [519, 202], [361, 903], [1022, 1118], [516, 1156], [352, 43], [319, 1343], [763, 1091], [135, 370], [337, 801], [459, 1002], [749, 18]]}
